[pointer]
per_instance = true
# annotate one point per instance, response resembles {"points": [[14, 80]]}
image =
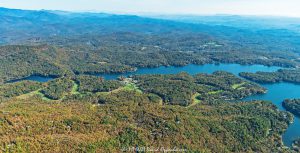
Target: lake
{"points": [[33, 78], [276, 92], [194, 69]]}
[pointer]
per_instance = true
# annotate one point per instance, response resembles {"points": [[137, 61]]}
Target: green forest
{"points": [[292, 105], [296, 145], [80, 110], [184, 89], [110, 115], [282, 75], [117, 56]]}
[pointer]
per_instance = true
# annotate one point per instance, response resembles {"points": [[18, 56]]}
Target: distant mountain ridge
{"points": [[26, 26], [19, 25], [236, 20]]}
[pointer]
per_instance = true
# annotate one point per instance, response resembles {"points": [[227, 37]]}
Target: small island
{"points": [[292, 105]]}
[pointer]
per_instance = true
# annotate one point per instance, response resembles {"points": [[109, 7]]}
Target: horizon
{"points": [[155, 7], [151, 14]]}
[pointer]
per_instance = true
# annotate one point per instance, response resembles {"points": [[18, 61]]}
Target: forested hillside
{"points": [[292, 105], [108, 116], [55, 43], [19, 61], [78, 111], [286, 75]]}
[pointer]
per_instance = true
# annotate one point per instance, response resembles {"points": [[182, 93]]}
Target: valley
{"points": [[104, 83]]}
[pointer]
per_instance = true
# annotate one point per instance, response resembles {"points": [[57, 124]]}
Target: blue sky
{"points": [[241, 7]]}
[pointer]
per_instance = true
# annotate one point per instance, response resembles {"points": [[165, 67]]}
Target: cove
{"points": [[194, 69], [36, 78], [276, 92]]}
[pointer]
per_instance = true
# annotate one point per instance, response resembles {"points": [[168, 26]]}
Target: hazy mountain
{"points": [[23, 26], [257, 22]]}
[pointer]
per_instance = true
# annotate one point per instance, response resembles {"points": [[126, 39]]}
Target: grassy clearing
{"points": [[42, 95], [75, 87], [195, 99], [132, 86], [109, 92], [37, 92], [215, 92], [237, 86]]}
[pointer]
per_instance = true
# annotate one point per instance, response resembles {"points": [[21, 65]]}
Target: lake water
{"points": [[33, 78], [194, 69], [276, 92]]}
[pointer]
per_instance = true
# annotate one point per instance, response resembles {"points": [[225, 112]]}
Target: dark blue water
{"points": [[194, 69], [33, 78], [276, 92]]}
